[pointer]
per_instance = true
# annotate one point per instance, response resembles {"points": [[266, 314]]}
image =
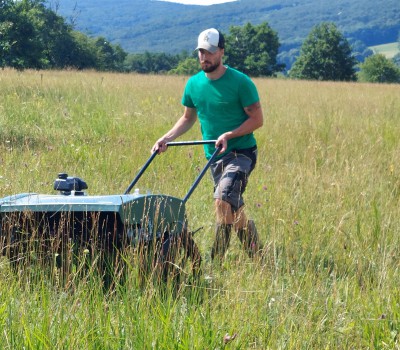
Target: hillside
{"points": [[388, 50], [154, 26]]}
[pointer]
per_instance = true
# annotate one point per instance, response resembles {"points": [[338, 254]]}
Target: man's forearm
{"points": [[181, 126]]}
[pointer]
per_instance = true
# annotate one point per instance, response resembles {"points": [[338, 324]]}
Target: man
{"points": [[227, 104]]}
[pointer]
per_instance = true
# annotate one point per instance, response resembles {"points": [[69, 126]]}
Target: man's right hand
{"points": [[183, 124], [160, 146]]}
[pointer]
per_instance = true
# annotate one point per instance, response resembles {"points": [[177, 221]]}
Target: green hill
{"points": [[154, 26]]}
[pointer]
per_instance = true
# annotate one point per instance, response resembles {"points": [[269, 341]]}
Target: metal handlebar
{"points": [[179, 143]]}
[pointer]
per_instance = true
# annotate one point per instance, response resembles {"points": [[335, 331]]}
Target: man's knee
{"points": [[222, 204], [224, 212]]}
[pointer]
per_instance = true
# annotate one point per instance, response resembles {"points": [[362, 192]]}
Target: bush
{"points": [[379, 69]]}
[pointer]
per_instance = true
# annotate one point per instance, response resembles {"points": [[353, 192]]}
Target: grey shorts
{"points": [[230, 174]]}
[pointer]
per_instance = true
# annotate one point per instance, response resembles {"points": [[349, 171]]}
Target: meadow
{"points": [[388, 50], [325, 196]]}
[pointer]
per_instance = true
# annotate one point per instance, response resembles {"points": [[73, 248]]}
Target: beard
{"points": [[207, 67]]}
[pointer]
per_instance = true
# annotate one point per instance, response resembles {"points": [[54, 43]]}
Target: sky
{"points": [[199, 2]]}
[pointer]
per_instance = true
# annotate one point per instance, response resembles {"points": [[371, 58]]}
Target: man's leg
{"points": [[246, 230], [230, 176], [247, 233], [223, 229]]}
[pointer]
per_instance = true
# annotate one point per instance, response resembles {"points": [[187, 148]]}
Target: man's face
{"points": [[210, 61]]}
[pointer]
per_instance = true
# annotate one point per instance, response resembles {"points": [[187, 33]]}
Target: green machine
{"points": [[66, 224]]}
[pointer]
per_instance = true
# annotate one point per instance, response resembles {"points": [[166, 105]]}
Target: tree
{"points": [[33, 36], [21, 35], [360, 50], [109, 57], [152, 62], [189, 66], [57, 40], [83, 55], [253, 49], [5, 42], [5, 31], [379, 69], [325, 55], [396, 60]]}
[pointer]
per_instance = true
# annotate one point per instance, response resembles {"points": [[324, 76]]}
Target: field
{"points": [[388, 50], [325, 196]]}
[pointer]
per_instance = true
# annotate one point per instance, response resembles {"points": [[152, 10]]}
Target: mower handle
{"points": [[179, 143]]}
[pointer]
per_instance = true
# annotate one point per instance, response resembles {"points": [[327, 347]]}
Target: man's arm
{"points": [[255, 121], [183, 124]]}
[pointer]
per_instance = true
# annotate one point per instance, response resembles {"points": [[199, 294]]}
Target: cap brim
{"points": [[208, 47]]}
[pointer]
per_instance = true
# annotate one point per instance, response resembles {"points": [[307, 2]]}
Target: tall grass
{"points": [[325, 197]]}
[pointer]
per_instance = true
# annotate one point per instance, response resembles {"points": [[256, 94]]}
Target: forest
{"points": [[34, 35], [142, 25]]}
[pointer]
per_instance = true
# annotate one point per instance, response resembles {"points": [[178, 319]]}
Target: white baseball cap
{"points": [[210, 40]]}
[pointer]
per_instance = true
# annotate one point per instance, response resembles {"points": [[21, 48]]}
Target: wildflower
{"points": [[271, 302], [228, 338]]}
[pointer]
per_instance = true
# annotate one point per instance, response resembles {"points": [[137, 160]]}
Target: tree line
{"points": [[34, 36]]}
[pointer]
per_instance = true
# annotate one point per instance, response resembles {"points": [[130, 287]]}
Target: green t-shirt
{"points": [[220, 106]]}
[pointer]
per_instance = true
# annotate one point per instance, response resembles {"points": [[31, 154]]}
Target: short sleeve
{"points": [[248, 92], [186, 97]]}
